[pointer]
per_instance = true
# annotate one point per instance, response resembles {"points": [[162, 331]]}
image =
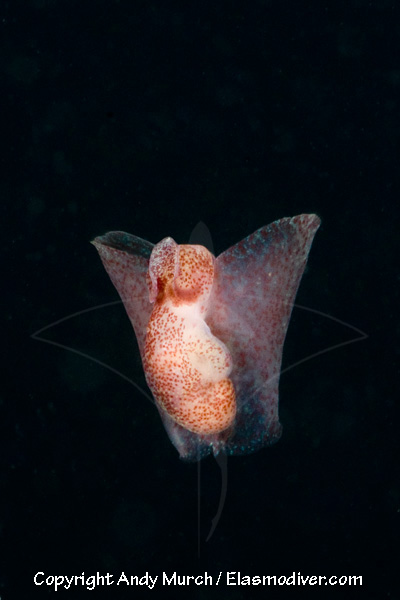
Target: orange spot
{"points": [[186, 366]]}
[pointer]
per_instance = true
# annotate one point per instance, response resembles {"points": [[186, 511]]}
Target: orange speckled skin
{"points": [[187, 367], [211, 330]]}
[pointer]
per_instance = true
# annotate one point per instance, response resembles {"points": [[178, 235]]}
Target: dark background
{"points": [[149, 117]]}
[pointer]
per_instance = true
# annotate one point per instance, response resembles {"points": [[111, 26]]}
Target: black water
{"points": [[149, 117]]}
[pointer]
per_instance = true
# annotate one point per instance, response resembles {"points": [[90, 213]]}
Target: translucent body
{"points": [[211, 331]]}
